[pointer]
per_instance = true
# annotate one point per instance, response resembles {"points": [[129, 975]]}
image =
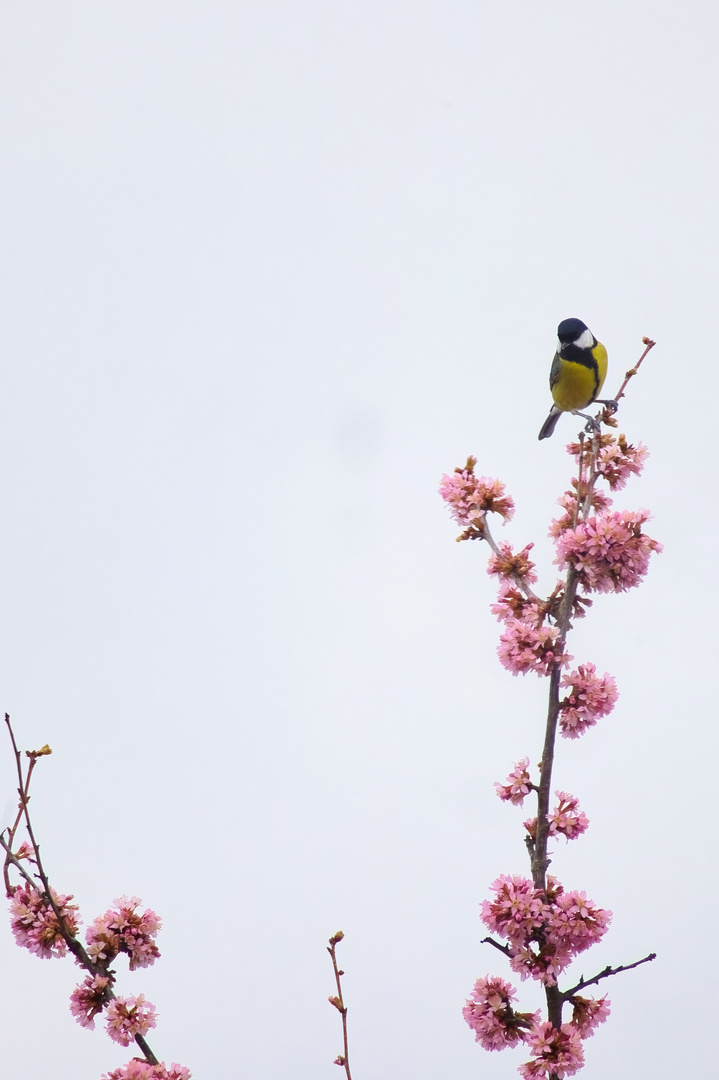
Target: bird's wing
{"points": [[554, 371]]}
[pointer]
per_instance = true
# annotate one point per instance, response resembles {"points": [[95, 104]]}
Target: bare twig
{"points": [[338, 1002], [497, 945], [567, 994]]}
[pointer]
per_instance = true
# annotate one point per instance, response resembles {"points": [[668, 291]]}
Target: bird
{"points": [[577, 375]]}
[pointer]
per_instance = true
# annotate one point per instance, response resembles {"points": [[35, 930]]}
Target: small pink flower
{"points": [[599, 502], [470, 498], [588, 1014], [510, 566], [609, 552], [518, 784], [490, 1015], [124, 930], [566, 819], [34, 923], [526, 646], [136, 1069], [89, 998], [517, 911], [619, 460], [554, 1053], [590, 696], [128, 1017]]}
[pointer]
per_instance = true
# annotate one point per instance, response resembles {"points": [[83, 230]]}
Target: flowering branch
{"points": [[338, 1002], [600, 551], [46, 923]]}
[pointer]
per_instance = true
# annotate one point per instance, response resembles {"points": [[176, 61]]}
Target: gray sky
{"points": [[268, 270]]}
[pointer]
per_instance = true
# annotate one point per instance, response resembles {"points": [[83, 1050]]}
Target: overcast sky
{"points": [[269, 269]]}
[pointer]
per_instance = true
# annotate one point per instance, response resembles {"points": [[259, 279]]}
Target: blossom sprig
{"points": [[129, 1017], [490, 1015], [566, 819], [37, 923], [470, 498], [609, 552], [122, 929], [589, 697], [518, 784], [46, 922], [544, 926]]}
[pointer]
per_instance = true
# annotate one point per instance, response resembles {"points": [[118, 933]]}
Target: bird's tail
{"points": [[550, 423]]}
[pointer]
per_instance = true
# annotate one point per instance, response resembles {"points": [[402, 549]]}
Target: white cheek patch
{"points": [[586, 341]]}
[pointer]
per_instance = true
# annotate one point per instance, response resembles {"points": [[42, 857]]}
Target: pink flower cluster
{"points": [[619, 460], [128, 1017], [506, 564], [589, 697], [588, 1014], [124, 930], [90, 998], [565, 820], [34, 923], [554, 1053], [136, 1069], [616, 459], [518, 784], [489, 1013], [598, 501], [470, 498], [544, 930], [526, 645], [609, 552]]}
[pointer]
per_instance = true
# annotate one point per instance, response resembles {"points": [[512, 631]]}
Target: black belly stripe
{"points": [[575, 355]]}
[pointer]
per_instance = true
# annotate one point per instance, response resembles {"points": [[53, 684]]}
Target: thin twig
{"points": [[338, 1002], [497, 945], [566, 994], [632, 371]]}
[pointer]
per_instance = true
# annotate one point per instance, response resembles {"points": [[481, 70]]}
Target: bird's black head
{"points": [[569, 330]]}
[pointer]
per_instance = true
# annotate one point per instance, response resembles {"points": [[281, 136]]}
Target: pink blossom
{"points": [[511, 603], [554, 1053], [35, 925], [518, 784], [545, 929], [128, 1017], [610, 553], [489, 1013], [89, 998], [588, 1014], [517, 911], [599, 502], [506, 564], [575, 923], [617, 461], [124, 930], [527, 646], [566, 819], [470, 498], [590, 697], [25, 851], [136, 1069]]}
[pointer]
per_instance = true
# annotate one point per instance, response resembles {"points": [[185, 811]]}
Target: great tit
{"points": [[578, 372]]}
